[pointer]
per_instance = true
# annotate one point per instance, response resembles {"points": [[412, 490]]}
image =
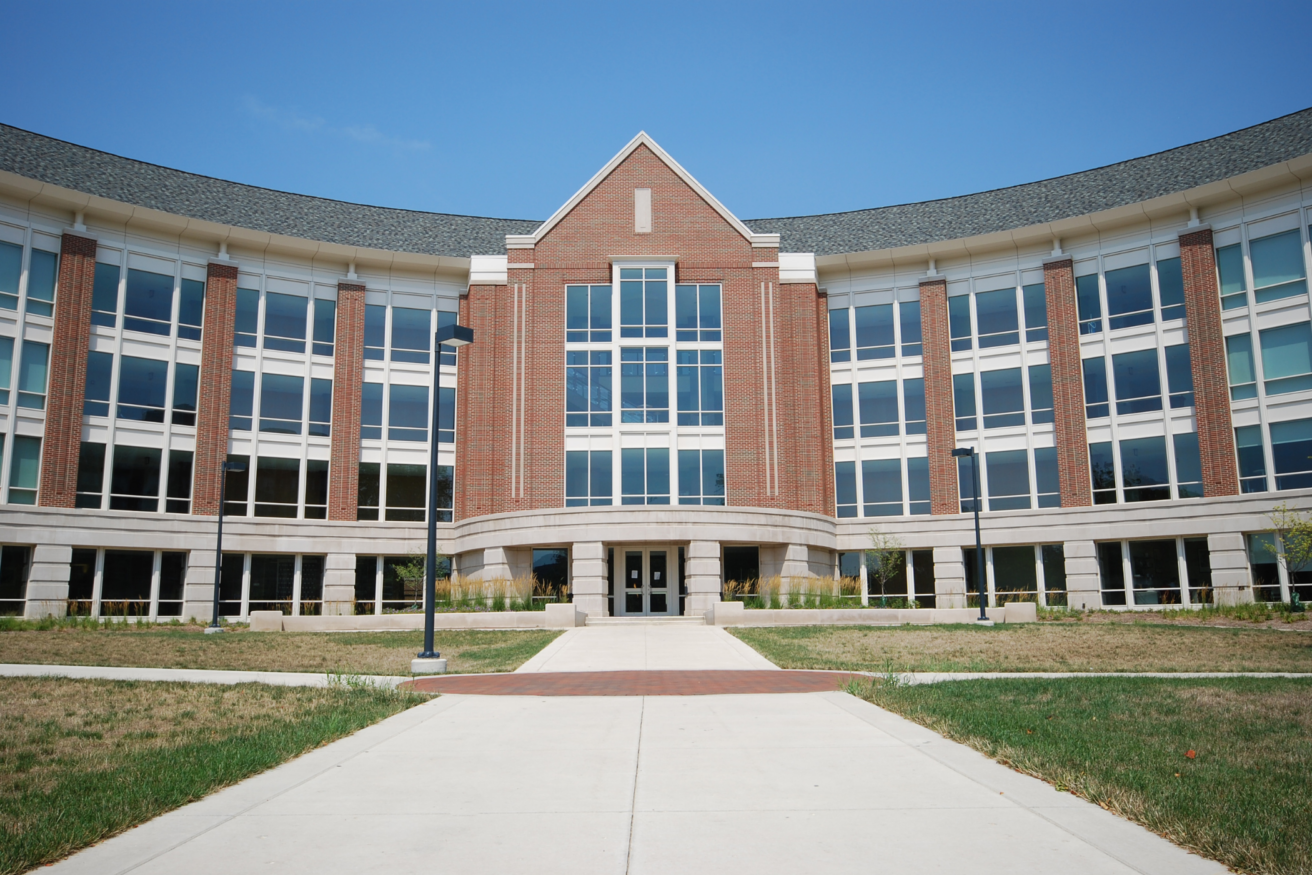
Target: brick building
{"points": [[660, 396]]}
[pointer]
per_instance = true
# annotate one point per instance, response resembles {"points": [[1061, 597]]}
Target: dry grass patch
{"points": [[1032, 647], [81, 760], [367, 653]]}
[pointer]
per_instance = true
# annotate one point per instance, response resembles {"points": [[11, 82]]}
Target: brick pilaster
{"points": [[215, 389], [483, 403], [940, 421], [1067, 384], [804, 425], [1202, 306], [68, 371], [348, 379]]}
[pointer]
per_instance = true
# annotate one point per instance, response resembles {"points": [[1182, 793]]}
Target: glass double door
{"points": [[648, 590]]}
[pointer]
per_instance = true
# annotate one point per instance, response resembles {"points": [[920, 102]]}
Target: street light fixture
{"points": [[964, 452], [429, 661], [218, 547]]}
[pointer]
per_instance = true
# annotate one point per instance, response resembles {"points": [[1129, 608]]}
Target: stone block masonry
{"points": [[68, 372], [348, 381], [215, 387], [1067, 384]]}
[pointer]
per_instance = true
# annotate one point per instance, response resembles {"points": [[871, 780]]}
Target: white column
{"points": [[587, 577], [703, 577], [949, 577], [1083, 582], [339, 584], [198, 587], [1231, 584], [47, 582]]}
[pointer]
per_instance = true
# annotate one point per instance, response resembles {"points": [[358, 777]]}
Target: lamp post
{"points": [[962, 452], [429, 661], [218, 547]]}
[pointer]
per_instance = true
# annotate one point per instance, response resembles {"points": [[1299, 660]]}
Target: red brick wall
{"points": [[484, 402], [1202, 305], [940, 421], [68, 372], [215, 390], [1067, 385], [805, 433], [826, 417], [348, 377]]}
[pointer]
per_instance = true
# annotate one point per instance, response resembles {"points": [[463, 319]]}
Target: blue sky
{"points": [[778, 108]]}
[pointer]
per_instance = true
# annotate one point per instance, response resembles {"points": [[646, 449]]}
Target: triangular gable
{"points": [[524, 241]]}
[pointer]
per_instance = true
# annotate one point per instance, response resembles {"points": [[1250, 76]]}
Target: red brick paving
{"points": [[633, 683]]}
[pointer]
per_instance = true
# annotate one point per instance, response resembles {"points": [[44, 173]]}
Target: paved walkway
{"points": [[646, 648], [761, 784], [635, 683], [187, 675]]}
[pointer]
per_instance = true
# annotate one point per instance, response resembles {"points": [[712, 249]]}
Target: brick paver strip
{"points": [[634, 683]]}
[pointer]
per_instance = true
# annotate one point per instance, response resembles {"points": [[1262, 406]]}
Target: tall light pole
{"points": [[429, 661], [218, 547], [962, 452]]}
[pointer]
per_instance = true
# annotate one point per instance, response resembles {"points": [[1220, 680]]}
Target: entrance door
{"points": [[647, 587]]}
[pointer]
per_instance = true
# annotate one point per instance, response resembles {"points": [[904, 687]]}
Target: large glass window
{"points": [[1040, 393], [407, 414], [246, 323], [1180, 375], [321, 407], [11, 273], [1129, 297], [840, 341], [1102, 468], [995, 314], [281, 400], [1287, 358], [33, 371], [918, 485], [1252, 458], [874, 332], [845, 488], [134, 484], [185, 379], [959, 322], [1239, 361], [1036, 313], [587, 314], [100, 370], [878, 404], [371, 412], [843, 420], [1138, 383], [241, 403], [104, 295], [1170, 287], [148, 305], [909, 324], [1154, 572], [644, 302], [588, 478], [1264, 566], [645, 385], [7, 368], [43, 271], [645, 475], [445, 500], [1095, 388], [1111, 572], [412, 337], [284, 322], [142, 387], [1278, 270], [407, 486], [368, 490], [24, 469], [375, 331], [1088, 302], [1291, 453], [588, 388], [316, 489], [881, 483], [963, 401], [1188, 466], [1230, 266], [177, 490], [701, 477], [1047, 478], [236, 488], [1143, 469], [700, 382], [1003, 397], [968, 476], [325, 326], [277, 487], [191, 309], [697, 313], [1009, 479], [913, 405], [447, 352], [90, 475]]}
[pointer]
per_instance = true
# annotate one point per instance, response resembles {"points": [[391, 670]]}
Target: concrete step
{"points": [[645, 621]]}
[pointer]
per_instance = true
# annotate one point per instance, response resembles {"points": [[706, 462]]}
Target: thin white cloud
{"points": [[291, 120]]}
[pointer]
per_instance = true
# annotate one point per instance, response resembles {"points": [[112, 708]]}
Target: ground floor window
{"points": [[1170, 571], [126, 583], [286, 582], [742, 569], [551, 571], [1272, 581], [1018, 574], [912, 579], [394, 584], [15, 562]]}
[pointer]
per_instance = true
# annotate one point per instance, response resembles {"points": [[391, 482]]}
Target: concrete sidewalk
{"points": [[189, 675], [646, 648]]}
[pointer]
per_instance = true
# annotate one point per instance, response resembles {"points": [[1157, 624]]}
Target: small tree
{"points": [[885, 559], [1293, 531]]}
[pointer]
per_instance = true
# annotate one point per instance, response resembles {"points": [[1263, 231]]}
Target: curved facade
{"points": [[660, 396]]}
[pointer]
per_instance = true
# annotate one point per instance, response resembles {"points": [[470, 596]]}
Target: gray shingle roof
{"points": [[201, 197], [1034, 203]]}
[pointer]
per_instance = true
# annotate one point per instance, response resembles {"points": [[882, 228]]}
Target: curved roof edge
{"points": [[90, 171], [1049, 200]]}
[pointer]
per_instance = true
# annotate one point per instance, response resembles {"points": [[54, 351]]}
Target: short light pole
{"points": [[963, 452], [429, 661], [224, 468]]}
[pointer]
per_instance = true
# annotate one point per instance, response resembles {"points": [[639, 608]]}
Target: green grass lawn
{"points": [[370, 653], [82, 760], [1033, 647], [1244, 798]]}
